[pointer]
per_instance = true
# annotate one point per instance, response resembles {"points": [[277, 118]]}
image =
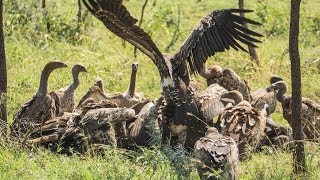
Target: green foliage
{"points": [[29, 46], [28, 19]]}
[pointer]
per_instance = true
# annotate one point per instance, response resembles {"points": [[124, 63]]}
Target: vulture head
{"points": [[281, 88], [212, 74]]}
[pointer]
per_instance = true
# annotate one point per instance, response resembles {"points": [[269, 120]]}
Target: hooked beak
{"points": [[270, 88]]}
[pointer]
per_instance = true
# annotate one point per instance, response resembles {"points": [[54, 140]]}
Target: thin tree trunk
{"points": [[79, 13], [252, 51], [3, 71], [140, 22], [45, 14], [298, 154]]}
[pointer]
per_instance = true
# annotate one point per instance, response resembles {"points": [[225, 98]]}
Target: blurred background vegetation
{"points": [[29, 46]]}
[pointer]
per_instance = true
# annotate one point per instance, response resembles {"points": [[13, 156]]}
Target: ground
{"points": [[29, 47]]}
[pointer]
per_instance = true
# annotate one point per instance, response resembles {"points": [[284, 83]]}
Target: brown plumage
{"points": [[310, 111], [130, 97], [260, 98], [75, 131], [216, 152], [93, 95], [40, 108], [228, 79], [265, 96], [213, 100], [216, 32], [66, 95], [145, 130], [244, 124]]}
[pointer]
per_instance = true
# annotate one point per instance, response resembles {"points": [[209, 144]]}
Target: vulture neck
{"points": [[76, 82], [280, 95], [43, 88], [132, 85], [207, 74]]}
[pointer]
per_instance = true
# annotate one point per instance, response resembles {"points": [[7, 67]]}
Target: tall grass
{"points": [[29, 47]]}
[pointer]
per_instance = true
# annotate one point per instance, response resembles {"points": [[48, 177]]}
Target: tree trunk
{"points": [[3, 71], [45, 14], [252, 51], [79, 13], [140, 22], [298, 154]]}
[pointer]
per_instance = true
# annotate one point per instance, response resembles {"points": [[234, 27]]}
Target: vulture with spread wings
{"points": [[217, 31]]}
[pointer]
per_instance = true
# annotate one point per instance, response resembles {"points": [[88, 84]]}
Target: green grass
{"points": [[29, 47]]}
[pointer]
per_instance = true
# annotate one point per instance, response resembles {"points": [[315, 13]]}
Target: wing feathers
{"points": [[217, 32], [118, 20], [242, 20], [245, 30]]}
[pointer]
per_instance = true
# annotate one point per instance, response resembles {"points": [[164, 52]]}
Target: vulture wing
{"points": [[118, 20], [217, 32]]}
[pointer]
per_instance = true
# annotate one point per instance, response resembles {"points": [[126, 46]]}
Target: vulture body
{"points": [[216, 32], [94, 124], [66, 95], [244, 124], [218, 152], [41, 107], [228, 79], [93, 95], [265, 96], [310, 111], [273, 131], [214, 99], [145, 130], [130, 97]]}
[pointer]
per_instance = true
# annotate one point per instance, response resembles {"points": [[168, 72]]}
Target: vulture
{"points": [[94, 124], [265, 96], [217, 31], [216, 152], [127, 99], [214, 99], [310, 111], [41, 107], [130, 97], [93, 95], [66, 95], [260, 98], [145, 129], [228, 79], [244, 124]]}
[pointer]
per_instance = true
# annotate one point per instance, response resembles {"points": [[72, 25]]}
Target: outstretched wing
{"points": [[118, 20], [217, 32]]}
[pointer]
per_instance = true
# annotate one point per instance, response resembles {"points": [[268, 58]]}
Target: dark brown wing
{"points": [[217, 32], [118, 20]]}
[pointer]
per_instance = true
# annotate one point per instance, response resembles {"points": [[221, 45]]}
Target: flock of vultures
{"points": [[183, 115]]}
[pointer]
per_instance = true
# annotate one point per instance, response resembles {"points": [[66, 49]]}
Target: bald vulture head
{"points": [[212, 74], [280, 87], [234, 95], [45, 75], [99, 82]]}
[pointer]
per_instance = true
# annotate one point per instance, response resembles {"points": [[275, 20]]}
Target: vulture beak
{"points": [[270, 88]]}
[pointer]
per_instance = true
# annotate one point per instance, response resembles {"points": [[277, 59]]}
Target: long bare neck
{"points": [[132, 84], [76, 82], [280, 95], [207, 74], [43, 87]]}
